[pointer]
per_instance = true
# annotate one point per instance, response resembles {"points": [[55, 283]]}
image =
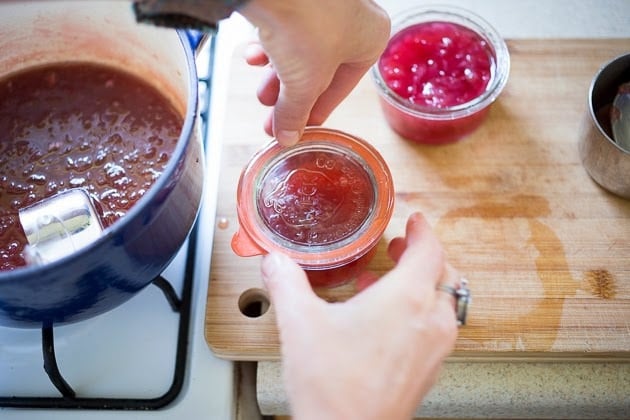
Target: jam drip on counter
{"points": [[78, 125]]}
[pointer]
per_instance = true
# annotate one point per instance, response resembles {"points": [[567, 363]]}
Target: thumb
{"points": [[292, 110], [288, 287], [289, 120]]}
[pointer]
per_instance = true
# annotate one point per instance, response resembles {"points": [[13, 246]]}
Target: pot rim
{"points": [[600, 78]]}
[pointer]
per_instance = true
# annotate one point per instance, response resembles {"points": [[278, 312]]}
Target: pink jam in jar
{"points": [[437, 64], [439, 73]]}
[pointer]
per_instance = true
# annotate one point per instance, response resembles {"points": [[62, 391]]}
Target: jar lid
{"points": [[325, 201]]}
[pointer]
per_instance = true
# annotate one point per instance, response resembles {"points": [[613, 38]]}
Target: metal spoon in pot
{"points": [[620, 116]]}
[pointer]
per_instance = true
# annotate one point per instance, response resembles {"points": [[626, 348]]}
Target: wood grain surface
{"points": [[546, 250]]}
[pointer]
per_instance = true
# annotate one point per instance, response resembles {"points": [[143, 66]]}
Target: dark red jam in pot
{"points": [[441, 70], [325, 202], [78, 125]]}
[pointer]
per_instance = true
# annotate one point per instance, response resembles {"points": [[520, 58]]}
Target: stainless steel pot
{"points": [[605, 160], [139, 246]]}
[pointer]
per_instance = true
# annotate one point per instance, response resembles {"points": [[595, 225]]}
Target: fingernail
{"points": [[287, 137]]}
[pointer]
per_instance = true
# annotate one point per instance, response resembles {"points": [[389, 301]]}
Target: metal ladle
{"points": [[620, 116], [59, 225]]}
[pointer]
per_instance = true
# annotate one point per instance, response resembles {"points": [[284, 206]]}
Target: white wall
{"points": [[542, 18]]}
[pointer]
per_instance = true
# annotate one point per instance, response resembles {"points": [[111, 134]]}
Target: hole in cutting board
{"points": [[253, 303]]}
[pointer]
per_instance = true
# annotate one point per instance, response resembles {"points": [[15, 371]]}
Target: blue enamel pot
{"points": [[135, 249]]}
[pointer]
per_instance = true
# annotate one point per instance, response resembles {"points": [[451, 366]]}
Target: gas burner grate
{"points": [[69, 399]]}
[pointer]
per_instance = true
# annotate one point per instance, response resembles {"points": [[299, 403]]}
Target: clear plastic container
{"points": [[325, 202], [442, 69]]}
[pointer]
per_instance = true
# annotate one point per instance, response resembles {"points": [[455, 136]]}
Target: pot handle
{"points": [[198, 20]]}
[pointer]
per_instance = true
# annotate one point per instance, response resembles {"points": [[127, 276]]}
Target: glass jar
{"points": [[442, 69], [325, 202]]}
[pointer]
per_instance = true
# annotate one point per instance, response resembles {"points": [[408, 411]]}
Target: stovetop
{"points": [[144, 358]]}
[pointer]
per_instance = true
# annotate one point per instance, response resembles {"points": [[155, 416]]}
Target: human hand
{"points": [[318, 51], [376, 355]]}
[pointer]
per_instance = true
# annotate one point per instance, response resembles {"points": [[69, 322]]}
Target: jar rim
{"points": [[318, 256], [451, 14]]}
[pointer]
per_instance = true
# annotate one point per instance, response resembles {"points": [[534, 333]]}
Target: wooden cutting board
{"points": [[546, 251]]}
